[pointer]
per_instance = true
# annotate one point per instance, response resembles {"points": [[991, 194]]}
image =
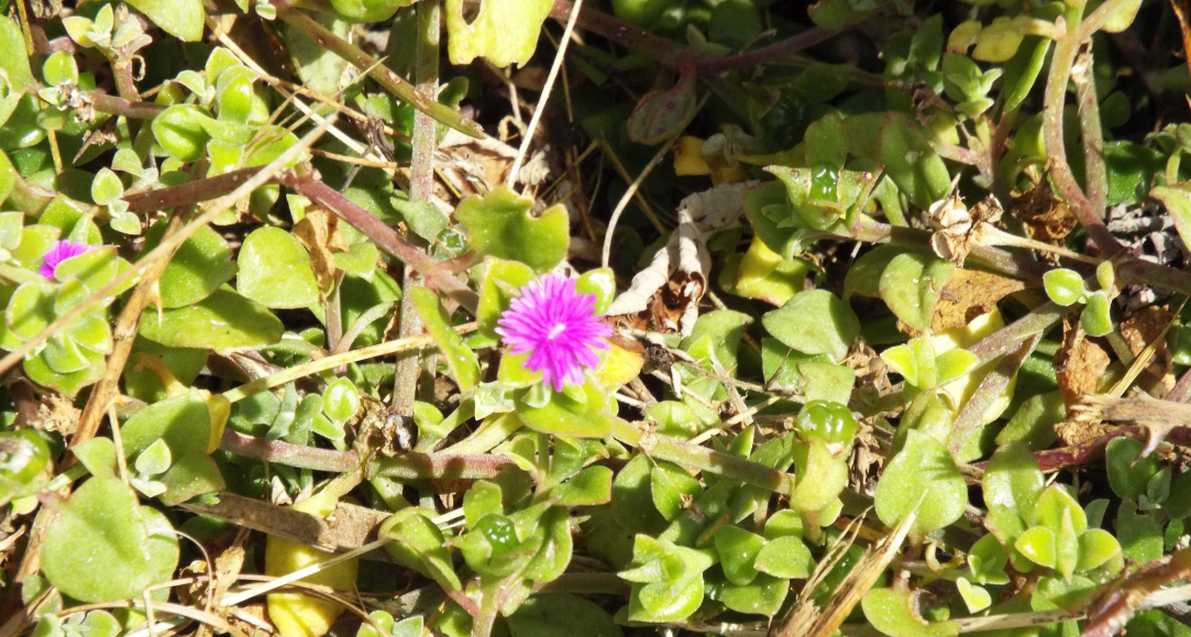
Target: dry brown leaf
{"points": [[1047, 218], [1081, 364], [968, 294], [666, 293], [1145, 326], [316, 231], [475, 166], [349, 527]]}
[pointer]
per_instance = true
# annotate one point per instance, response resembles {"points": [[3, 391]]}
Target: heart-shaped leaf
{"points": [[814, 322], [910, 285], [101, 524], [921, 478], [274, 270], [976, 598]]}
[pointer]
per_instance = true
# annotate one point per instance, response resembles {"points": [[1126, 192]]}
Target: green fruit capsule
{"points": [[828, 421], [24, 455], [367, 10], [643, 13], [499, 532]]}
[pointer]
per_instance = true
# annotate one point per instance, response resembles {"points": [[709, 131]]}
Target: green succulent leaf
{"points": [[1013, 480], [416, 543], [499, 224], [1064, 286], [1038, 544], [183, 19], [1128, 473], [737, 550], [504, 33], [671, 487], [200, 265], [891, 612], [222, 321], [910, 285], [786, 557], [274, 270], [922, 480], [814, 322], [462, 362], [101, 523], [185, 424], [763, 596]]}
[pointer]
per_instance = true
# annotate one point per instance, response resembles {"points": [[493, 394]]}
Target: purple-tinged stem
{"points": [[385, 237], [289, 454]]}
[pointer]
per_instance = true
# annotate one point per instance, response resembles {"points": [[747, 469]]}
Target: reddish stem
{"points": [[1080, 455], [673, 54], [442, 466], [289, 454], [385, 237], [132, 109], [189, 193]]}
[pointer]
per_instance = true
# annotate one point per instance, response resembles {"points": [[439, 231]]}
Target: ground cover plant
{"points": [[392, 318]]}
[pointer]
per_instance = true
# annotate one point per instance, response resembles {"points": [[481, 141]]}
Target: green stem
{"points": [[325, 363], [702, 458], [1054, 101], [130, 108], [421, 188], [1002, 261], [383, 75], [189, 193], [482, 622], [1095, 174], [1008, 338], [486, 437]]}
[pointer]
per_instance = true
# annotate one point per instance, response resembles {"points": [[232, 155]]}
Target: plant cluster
{"points": [[860, 317]]}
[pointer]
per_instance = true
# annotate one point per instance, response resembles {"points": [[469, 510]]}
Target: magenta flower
{"points": [[59, 252], [558, 327]]}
